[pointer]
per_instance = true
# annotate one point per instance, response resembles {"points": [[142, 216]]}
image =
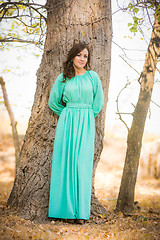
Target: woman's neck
{"points": [[79, 71]]}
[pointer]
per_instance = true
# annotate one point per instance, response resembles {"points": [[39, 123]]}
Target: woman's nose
{"points": [[82, 58]]}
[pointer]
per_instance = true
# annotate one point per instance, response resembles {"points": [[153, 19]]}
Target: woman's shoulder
{"points": [[93, 73], [60, 76]]}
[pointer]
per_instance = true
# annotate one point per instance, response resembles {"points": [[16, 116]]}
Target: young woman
{"points": [[71, 175]]}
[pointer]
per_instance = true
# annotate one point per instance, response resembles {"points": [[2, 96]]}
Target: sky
{"points": [[23, 64]]}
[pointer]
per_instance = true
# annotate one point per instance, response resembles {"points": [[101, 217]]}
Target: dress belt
{"points": [[78, 105]]}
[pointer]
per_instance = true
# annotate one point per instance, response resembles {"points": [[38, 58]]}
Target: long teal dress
{"points": [[73, 152]]}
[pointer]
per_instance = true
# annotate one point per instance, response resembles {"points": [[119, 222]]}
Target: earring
{"points": [[72, 61]]}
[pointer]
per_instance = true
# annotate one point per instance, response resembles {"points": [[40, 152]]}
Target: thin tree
{"points": [[66, 20], [12, 119], [125, 202]]}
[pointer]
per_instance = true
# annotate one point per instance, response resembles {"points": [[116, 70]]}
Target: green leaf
{"points": [[135, 19], [133, 29], [129, 24], [151, 6], [136, 10], [130, 5]]}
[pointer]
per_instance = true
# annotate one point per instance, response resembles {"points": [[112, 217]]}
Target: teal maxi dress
{"points": [[73, 152]]}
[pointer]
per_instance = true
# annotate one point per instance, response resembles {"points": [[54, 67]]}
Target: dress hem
{"points": [[68, 218]]}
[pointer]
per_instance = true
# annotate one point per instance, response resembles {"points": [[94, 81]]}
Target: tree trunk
{"points": [[67, 20], [125, 201], [12, 119]]}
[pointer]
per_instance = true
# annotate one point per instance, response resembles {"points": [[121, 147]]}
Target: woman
{"points": [[71, 175]]}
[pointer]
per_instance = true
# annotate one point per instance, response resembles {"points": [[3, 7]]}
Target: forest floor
{"points": [[143, 223]]}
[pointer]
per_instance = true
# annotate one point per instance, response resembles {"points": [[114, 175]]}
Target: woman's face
{"points": [[81, 59]]}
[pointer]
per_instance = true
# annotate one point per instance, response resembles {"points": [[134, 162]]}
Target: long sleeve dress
{"points": [[73, 152]]}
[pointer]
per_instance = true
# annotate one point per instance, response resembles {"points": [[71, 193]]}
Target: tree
{"points": [[125, 202], [12, 119], [66, 21]]}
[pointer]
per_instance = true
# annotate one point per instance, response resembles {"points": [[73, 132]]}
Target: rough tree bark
{"points": [[125, 201], [12, 119], [67, 20]]}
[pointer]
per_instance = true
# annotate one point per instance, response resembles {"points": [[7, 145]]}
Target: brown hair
{"points": [[68, 69]]}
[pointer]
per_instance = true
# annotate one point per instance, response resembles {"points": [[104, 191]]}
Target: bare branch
{"points": [[125, 49], [149, 17], [21, 3], [155, 103], [157, 69], [30, 26], [39, 13], [11, 39], [130, 65], [5, 11], [24, 15], [116, 11], [117, 101], [30, 12]]}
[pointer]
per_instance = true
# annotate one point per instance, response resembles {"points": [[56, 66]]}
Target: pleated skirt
{"points": [[72, 162]]}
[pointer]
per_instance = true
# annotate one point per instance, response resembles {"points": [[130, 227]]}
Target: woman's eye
{"points": [[85, 56]]}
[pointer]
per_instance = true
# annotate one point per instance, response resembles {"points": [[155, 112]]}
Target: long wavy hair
{"points": [[68, 68]]}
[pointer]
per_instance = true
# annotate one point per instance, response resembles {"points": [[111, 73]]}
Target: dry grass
{"points": [[144, 223]]}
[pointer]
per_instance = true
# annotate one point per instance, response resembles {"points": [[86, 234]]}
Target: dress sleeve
{"points": [[98, 96], [56, 95]]}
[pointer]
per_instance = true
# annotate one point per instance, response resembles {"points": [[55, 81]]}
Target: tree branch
{"points": [[29, 5], [18, 40], [117, 101], [155, 103], [130, 65]]}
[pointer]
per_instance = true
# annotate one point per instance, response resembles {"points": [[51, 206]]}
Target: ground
{"points": [[143, 223]]}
